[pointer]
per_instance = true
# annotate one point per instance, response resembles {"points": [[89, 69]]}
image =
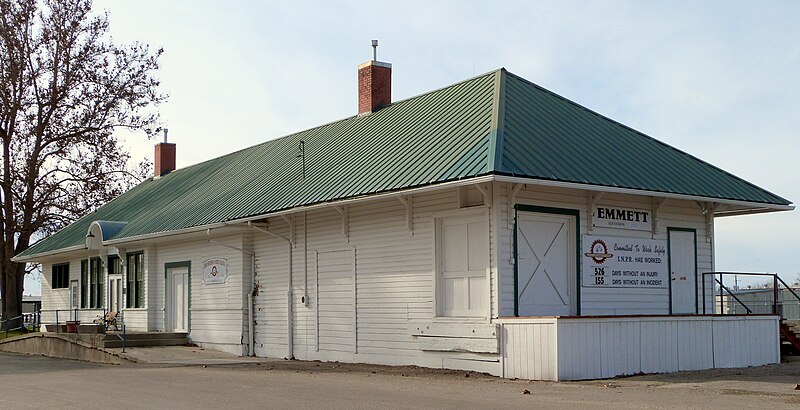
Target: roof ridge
{"points": [[494, 72], [494, 157]]}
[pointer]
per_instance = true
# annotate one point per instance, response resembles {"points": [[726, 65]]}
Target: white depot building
{"points": [[489, 225]]}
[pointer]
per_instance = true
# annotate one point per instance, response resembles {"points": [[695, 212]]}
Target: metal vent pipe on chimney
{"points": [[164, 161]]}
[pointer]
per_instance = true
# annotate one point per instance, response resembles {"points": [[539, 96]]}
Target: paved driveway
{"points": [[38, 382]]}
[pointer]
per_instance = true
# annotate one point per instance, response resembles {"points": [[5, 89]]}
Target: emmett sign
{"points": [[621, 218], [624, 262]]}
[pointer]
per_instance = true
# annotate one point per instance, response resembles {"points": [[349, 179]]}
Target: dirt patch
{"points": [[312, 367]]}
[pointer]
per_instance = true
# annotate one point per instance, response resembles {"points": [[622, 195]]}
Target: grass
{"points": [[12, 333]]}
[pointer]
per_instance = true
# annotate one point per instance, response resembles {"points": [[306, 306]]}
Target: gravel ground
{"points": [[39, 382]]}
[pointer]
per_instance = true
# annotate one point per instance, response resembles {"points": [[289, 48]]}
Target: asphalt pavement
{"points": [[40, 382]]}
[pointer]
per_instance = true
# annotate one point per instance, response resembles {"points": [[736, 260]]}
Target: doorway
{"points": [[546, 268], [114, 293], [178, 297], [682, 244], [74, 297]]}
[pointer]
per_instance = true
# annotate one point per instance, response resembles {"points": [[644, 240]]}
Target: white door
{"points": [[683, 271], [178, 303], [114, 293], [463, 260], [546, 270], [73, 293]]}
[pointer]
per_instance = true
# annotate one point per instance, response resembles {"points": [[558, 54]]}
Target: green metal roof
{"points": [[549, 137], [496, 123]]}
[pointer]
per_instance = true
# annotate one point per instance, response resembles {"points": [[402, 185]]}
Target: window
{"points": [[462, 260], [134, 292], [92, 280], [84, 283], [60, 276], [114, 265]]}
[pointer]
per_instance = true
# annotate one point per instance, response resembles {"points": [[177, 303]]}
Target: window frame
{"points": [[92, 283], [62, 280], [134, 280], [113, 262], [84, 283]]}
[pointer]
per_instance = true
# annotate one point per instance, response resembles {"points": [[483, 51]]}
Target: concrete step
{"points": [[141, 339], [144, 343], [145, 335]]}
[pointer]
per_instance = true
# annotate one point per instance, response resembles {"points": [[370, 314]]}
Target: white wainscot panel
{"points": [[601, 347]]}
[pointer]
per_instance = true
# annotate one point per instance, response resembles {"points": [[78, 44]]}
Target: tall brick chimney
{"points": [[165, 157], [374, 84]]}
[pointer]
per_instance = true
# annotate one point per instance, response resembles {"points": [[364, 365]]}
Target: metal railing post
{"points": [[775, 295], [704, 293], [123, 332], [721, 310]]}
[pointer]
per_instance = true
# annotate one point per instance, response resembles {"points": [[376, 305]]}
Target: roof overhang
{"points": [[734, 207], [202, 228]]}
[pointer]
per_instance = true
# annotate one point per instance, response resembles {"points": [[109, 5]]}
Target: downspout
{"points": [[289, 309], [250, 295]]}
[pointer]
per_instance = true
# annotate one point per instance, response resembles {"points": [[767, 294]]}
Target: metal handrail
{"points": [[74, 315], [775, 290], [36, 322], [749, 311], [8, 328], [789, 288], [121, 321]]}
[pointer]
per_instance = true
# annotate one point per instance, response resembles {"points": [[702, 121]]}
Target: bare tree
{"points": [[65, 87]]}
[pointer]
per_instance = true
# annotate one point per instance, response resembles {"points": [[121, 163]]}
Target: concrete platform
{"points": [[66, 346], [89, 347], [182, 355]]}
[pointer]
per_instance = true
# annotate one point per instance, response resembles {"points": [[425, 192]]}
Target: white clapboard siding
{"points": [[336, 299], [360, 314], [601, 301], [272, 261], [53, 299], [217, 313], [135, 319], [154, 282], [529, 349], [456, 337], [591, 348], [59, 299]]}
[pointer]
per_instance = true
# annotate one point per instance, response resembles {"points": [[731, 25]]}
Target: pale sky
{"points": [[718, 80]]}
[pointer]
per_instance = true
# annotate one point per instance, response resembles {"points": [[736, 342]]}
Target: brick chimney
{"points": [[165, 157], [374, 84]]}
